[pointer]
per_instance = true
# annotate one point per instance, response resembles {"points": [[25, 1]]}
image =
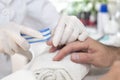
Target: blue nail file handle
{"points": [[45, 32]]}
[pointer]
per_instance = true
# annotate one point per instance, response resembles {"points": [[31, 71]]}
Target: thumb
{"points": [[84, 58], [20, 41]]}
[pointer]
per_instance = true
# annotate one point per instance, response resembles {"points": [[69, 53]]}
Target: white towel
{"points": [[42, 67], [45, 68]]}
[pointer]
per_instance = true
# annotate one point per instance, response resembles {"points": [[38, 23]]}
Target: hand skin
{"points": [[90, 52], [114, 73]]}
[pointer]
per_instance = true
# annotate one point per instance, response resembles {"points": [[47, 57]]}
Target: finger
{"points": [[53, 49], [59, 32], [1, 49], [75, 46], [7, 49], [21, 42], [27, 54], [49, 43], [68, 31], [1, 46], [81, 25], [83, 32], [75, 33], [79, 29], [84, 58], [31, 32], [83, 36], [13, 45]]}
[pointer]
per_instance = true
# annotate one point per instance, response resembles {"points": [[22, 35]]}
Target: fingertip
{"points": [[49, 43], [57, 57], [55, 43], [83, 36], [25, 45], [75, 57], [31, 32], [52, 49]]}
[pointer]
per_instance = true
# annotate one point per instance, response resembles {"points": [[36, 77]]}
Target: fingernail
{"points": [[75, 56], [55, 59]]}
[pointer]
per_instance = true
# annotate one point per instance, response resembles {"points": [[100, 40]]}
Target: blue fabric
{"points": [[45, 32]]}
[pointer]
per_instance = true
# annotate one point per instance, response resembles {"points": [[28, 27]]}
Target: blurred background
{"points": [[101, 17]]}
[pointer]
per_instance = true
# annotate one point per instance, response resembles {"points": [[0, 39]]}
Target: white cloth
{"points": [[44, 68], [21, 75], [26, 12]]}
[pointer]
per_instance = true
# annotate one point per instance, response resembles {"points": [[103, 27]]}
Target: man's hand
{"points": [[69, 29], [114, 73], [11, 40], [90, 52]]}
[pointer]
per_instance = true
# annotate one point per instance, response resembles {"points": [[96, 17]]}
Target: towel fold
{"points": [[45, 68]]}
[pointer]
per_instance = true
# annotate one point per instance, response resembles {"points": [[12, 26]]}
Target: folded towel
{"points": [[42, 67], [45, 68]]}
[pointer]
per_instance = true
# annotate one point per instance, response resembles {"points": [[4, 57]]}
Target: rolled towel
{"points": [[45, 68]]}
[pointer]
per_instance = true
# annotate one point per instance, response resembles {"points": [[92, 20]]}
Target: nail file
{"points": [[45, 32]]}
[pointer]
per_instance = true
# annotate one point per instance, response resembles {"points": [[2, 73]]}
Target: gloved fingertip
{"points": [[25, 45], [38, 35], [83, 36], [55, 44]]}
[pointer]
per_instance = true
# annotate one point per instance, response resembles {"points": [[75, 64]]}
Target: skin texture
{"points": [[114, 73], [88, 51]]}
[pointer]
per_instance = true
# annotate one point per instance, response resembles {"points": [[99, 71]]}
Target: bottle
{"points": [[102, 19]]}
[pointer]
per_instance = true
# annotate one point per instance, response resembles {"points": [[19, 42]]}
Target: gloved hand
{"points": [[11, 40], [68, 30]]}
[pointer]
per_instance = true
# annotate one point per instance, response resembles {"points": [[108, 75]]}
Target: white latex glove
{"points": [[11, 40], [68, 30]]}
